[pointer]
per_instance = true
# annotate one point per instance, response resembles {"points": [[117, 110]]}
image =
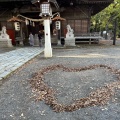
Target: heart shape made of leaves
{"points": [[98, 97]]}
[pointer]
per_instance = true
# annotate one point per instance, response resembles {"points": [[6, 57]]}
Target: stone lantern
{"points": [[46, 13]]}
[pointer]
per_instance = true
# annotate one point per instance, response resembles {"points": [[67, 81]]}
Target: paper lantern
{"points": [[17, 26]]}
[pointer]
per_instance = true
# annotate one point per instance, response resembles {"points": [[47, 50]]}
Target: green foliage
{"points": [[104, 20]]}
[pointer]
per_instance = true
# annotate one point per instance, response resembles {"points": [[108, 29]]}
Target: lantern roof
{"points": [[15, 19], [58, 18]]}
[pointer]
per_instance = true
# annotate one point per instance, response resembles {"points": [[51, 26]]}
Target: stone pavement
{"points": [[10, 61]]}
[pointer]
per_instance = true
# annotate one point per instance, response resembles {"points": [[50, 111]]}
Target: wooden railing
{"points": [[87, 37]]}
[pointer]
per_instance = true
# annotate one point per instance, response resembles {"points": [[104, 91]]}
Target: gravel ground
{"points": [[17, 101]]}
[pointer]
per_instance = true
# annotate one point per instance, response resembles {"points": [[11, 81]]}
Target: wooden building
{"points": [[76, 12]]}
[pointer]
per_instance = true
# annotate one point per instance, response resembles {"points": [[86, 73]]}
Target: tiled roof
{"points": [[96, 5], [89, 1], [97, 1], [12, 0]]}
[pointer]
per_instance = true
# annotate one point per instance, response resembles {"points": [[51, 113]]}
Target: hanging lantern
{"points": [[27, 22], [17, 26], [57, 25]]}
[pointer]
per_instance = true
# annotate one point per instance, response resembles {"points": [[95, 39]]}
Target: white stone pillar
{"points": [[48, 48]]}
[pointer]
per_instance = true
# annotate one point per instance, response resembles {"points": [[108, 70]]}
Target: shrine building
{"points": [[76, 13]]}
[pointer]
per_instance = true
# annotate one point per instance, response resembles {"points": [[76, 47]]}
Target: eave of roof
{"points": [[97, 5], [13, 0], [96, 1]]}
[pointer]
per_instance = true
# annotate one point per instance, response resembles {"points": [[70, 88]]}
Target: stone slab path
{"points": [[10, 61]]}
